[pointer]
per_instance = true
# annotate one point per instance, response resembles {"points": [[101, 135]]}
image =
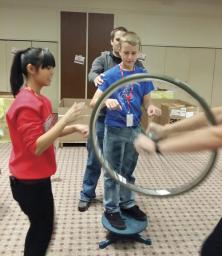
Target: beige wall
{"points": [[179, 23], [159, 22]]}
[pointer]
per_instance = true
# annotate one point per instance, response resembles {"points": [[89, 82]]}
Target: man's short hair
{"points": [[113, 32]]}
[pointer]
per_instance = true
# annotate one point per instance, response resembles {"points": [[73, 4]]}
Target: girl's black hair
{"points": [[38, 57]]}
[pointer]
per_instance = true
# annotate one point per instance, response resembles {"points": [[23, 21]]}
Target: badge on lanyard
{"points": [[129, 116], [129, 120]]}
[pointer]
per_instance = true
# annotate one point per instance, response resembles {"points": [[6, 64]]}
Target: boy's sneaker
{"points": [[83, 206], [115, 220], [135, 212]]}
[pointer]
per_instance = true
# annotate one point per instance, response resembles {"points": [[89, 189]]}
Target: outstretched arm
{"points": [[207, 138], [188, 124], [82, 128], [48, 138], [95, 97], [109, 103]]}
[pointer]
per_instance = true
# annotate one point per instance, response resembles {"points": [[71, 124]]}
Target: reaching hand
{"points": [[153, 111], [98, 80], [143, 143], [83, 129], [74, 112], [156, 131], [113, 104]]}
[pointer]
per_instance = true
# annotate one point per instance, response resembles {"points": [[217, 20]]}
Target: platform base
{"points": [[133, 228], [113, 238]]}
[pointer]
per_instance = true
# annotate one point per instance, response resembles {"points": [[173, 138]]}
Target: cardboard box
{"points": [[172, 110], [176, 110], [5, 103], [162, 94], [64, 105], [157, 97]]}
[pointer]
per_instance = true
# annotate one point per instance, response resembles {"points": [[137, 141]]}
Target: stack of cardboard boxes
{"points": [[175, 110], [172, 109], [64, 105], [5, 103]]}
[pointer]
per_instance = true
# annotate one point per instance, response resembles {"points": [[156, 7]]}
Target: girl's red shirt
{"points": [[30, 116]]}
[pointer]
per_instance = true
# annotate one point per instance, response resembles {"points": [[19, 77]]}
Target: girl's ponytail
{"points": [[16, 76], [38, 57]]}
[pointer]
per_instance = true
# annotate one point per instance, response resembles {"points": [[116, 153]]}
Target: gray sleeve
{"points": [[96, 69]]}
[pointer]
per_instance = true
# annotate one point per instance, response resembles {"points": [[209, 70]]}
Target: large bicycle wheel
{"points": [[162, 174]]}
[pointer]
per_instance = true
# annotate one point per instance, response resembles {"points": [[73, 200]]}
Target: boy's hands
{"points": [[153, 111], [113, 104]]}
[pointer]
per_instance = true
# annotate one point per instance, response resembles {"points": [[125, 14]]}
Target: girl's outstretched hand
{"points": [[74, 112], [83, 129]]}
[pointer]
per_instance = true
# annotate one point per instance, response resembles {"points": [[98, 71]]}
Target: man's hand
{"points": [[98, 80]]}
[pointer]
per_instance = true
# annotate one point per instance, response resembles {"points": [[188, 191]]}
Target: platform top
{"points": [[133, 226]]}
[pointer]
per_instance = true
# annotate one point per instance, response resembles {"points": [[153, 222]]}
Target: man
{"points": [[102, 63]]}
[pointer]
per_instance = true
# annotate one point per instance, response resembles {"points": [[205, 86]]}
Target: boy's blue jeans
{"points": [[93, 167], [120, 153]]}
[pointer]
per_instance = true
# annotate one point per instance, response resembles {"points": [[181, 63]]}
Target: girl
{"points": [[32, 131], [121, 124]]}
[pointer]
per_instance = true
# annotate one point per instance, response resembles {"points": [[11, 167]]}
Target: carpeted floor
{"points": [[178, 225]]}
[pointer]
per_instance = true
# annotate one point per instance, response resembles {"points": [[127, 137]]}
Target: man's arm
{"points": [[96, 69], [188, 124], [207, 138]]}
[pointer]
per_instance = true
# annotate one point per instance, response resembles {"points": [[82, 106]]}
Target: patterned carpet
{"points": [[178, 225]]}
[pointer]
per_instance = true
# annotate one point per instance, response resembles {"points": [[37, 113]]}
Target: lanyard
{"points": [[130, 95]]}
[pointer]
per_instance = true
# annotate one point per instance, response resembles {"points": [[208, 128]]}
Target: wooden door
{"points": [[99, 27], [73, 54]]}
